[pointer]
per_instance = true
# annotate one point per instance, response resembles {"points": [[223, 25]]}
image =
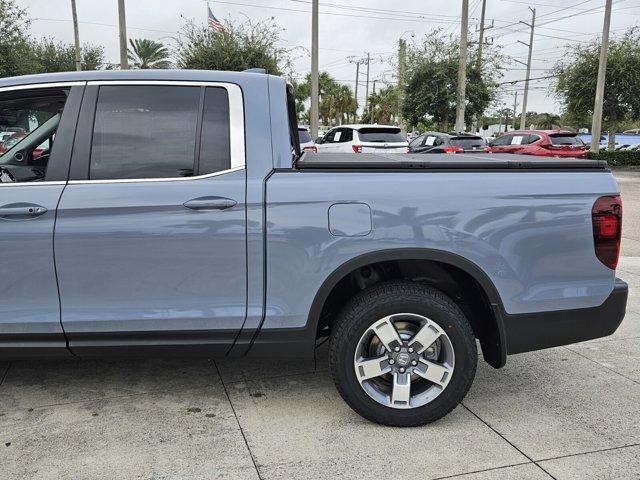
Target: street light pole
{"points": [[462, 67], [315, 90], [122, 23], [596, 125], [523, 119], [76, 35]]}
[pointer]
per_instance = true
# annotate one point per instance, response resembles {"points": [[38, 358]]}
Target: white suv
{"points": [[363, 139]]}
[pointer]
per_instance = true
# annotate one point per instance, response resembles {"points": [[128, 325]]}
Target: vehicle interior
{"points": [[30, 123]]}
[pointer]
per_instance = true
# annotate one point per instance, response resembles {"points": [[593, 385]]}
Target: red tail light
{"points": [[357, 148], [606, 216], [453, 150], [312, 149]]}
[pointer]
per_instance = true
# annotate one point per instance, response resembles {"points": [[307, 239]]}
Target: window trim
{"points": [[236, 127], [38, 86]]}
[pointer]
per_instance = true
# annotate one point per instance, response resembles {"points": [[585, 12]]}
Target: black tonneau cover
{"points": [[442, 161]]}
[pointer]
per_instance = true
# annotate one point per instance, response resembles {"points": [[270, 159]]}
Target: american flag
{"points": [[213, 21]]}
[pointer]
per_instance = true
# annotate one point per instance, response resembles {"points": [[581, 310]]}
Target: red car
{"points": [[15, 138], [544, 143]]}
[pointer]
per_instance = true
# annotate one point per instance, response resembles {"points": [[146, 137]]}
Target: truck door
{"points": [[151, 232], [37, 125]]}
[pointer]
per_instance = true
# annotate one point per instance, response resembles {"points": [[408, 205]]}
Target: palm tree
{"points": [[548, 121], [145, 53]]}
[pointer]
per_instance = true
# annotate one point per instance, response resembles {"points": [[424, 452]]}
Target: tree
{"points": [[47, 56], [547, 121], [145, 53], [239, 47], [577, 76], [337, 103], [384, 104], [14, 40], [432, 82]]}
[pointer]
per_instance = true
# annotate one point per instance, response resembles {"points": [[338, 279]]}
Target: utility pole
{"points": [[462, 67], [596, 125], [315, 90], [402, 67], [366, 95], [356, 93], [372, 106], [515, 109], [76, 34], [122, 22], [523, 119], [481, 39]]}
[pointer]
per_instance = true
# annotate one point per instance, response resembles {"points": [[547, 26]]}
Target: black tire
{"points": [[389, 298]]}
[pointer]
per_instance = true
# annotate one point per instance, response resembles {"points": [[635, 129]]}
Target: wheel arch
{"points": [[494, 349]]}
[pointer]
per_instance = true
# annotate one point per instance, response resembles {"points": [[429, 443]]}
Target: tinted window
{"points": [[144, 132], [565, 140], [305, 136], [417, 142], [346, 135], [467, 142], [328, 138], [381, 135], [215, 146], [502, 140]]}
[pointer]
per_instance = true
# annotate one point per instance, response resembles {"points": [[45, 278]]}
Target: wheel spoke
{"points": [[401, 393], [372, 368], [434, 372], [387, 333], [428, 334]]}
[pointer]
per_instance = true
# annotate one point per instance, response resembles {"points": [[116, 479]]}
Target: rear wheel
{"points": [[402, 354]]}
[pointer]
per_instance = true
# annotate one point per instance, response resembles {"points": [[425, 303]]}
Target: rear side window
{"points": [[565, 140], [215, 145], [145, 132], [380, 135], [502, 140]]}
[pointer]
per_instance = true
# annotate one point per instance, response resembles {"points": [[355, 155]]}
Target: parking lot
{"points": [[566, 413]]}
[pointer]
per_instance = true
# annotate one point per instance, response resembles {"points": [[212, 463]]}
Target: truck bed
{"points": [[442, 161]]}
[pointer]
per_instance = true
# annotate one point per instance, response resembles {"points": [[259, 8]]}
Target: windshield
{"points": [[305, 136], [467, 142], [381, 135], [566, 139]]}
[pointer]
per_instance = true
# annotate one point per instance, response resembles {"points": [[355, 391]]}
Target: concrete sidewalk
{"points": [[566, 413]]}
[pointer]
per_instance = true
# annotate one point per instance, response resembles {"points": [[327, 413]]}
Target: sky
{"points": [[350, 29]]}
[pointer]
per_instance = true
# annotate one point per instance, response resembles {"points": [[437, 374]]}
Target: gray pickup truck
{"points": [[171, 212]]}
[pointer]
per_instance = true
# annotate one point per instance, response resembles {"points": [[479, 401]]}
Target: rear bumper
{"points": [[535, 331]]}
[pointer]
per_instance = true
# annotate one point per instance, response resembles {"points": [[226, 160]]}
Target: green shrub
{"points": [[618, 158]]}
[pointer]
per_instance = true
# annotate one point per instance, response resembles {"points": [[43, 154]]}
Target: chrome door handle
{"points": [[24, 210], [210, 203]]}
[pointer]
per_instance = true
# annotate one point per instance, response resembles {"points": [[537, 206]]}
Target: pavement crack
{"points": [[531, 460], [244, 437]]}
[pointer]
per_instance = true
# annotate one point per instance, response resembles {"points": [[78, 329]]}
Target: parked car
{"points": [[12, 140], [544, 143], [437, 142], [247, 248], [306, 142], [633, 131], [363, 139]]}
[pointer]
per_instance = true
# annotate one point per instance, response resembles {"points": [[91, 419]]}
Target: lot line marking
{"points": [[482, 471], [590, 452], [604, 366], [255, 465], [506, 440], [4, 375]]}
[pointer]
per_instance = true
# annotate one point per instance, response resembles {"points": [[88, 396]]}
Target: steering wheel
{"points": [[6, 176]]}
